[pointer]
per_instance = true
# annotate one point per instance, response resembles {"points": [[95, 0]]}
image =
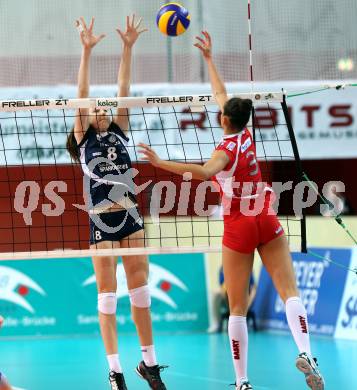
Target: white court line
{"points": [[207, 379], [18, 388]]}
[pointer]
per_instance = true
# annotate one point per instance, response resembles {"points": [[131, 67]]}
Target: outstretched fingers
{"points": [[201, 40], [142, 30], [91, 25], [120, 33], [207, 36], [146, 151], [137, 25], [144, 146], [101, 36], [199, 47], [83, 23]]}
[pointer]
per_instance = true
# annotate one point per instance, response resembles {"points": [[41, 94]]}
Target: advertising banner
{"points": [[346, 327], [59, 297], [321, 287], [324, 123]]}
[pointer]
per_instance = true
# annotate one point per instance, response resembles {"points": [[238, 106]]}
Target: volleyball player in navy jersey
{"points": [[99, 143]]}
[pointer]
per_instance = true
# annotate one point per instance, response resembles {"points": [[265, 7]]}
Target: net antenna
{"points": [[34, 161], [250, 45]]}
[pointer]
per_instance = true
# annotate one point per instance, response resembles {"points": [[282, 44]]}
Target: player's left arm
{"points": [[129, 37], [214, 165]]}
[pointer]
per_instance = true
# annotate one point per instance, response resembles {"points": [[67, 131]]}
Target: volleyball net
{"points": [[42, 207]]}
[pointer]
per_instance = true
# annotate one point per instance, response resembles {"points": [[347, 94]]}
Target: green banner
{"points": [[59, 296]]}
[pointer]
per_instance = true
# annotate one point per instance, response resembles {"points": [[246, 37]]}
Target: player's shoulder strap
{"points": [[117, 130]]}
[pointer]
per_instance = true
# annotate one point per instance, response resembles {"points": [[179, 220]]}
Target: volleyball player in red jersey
{"points": [[234, 166]]}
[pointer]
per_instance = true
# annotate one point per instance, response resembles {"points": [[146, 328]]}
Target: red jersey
{"points": [[241, 179], [248, 219]]}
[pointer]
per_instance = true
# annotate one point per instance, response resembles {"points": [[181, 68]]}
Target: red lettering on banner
{"points": [[198, 122], [265, 118], [341, 111], [310, 110]]}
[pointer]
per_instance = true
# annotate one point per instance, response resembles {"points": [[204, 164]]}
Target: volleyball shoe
{"points": [[308, 366], [151, 375], [117, 381]]}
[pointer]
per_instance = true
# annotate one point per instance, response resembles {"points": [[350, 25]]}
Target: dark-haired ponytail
{"points": [[247, 104], [238, 111], [72, 148]]}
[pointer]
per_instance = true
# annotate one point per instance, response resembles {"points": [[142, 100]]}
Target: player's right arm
{"points": [[88, 41], [218, 88]]}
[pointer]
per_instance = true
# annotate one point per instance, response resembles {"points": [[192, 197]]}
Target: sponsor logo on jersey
{"points": [[96, 154], [160, 283], [111, 167], [246, 145], [231, 146], [112, 139], [278, 230], [15, 285]]}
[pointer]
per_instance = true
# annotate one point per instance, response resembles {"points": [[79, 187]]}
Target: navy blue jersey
{"points": [[106, 163]]}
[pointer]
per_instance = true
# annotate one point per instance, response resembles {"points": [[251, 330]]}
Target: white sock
{"points": [[114, 363], [149, 355], [297, 320], [238, 336]]}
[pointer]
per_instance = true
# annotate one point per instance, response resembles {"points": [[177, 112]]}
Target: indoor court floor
{"points": [[197, 361]]}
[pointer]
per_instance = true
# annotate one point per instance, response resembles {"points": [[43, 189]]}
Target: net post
{"points": [[299, 171]]}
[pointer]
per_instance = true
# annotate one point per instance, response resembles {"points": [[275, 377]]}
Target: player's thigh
{"points": [[136, 267], [105, 267], [276, 258], [237, 268]]}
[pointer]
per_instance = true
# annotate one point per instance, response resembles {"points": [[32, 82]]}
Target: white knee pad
{"points": [[107, 303], [140, 297]]}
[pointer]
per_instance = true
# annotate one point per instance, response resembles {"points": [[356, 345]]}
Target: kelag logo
{"points": [[160, 283], [15, 286]]}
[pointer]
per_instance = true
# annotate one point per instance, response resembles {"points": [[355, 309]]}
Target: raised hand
{"points": [[204, 44], [149, 154], [132, 32], [88, 39]]}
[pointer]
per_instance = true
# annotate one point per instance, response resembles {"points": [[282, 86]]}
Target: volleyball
{"points": [[173, 19]]}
